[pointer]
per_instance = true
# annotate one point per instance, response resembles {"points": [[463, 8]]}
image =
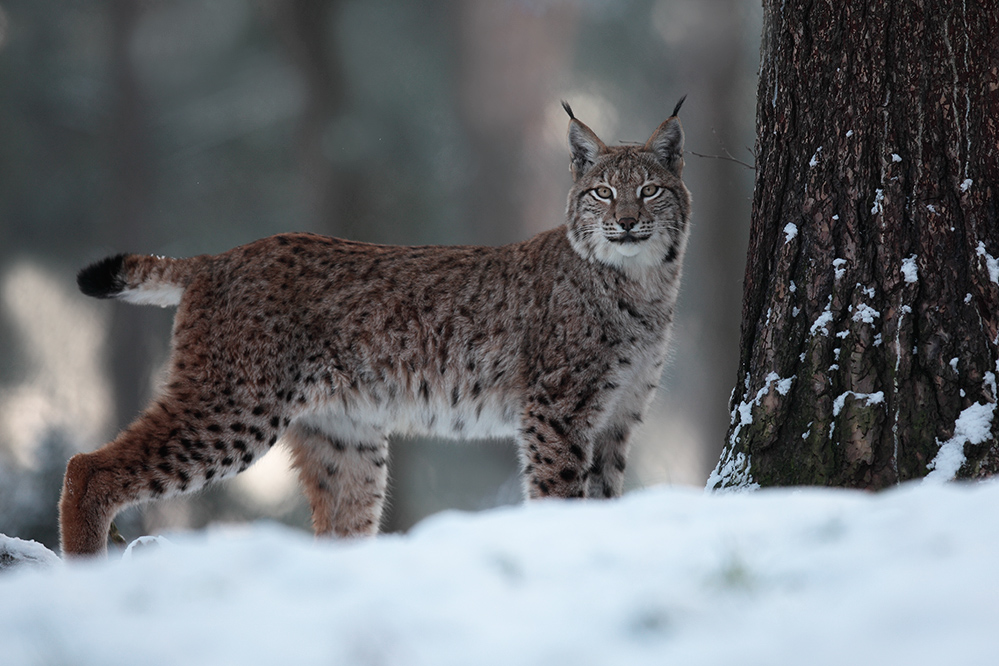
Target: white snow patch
{"points": [[795, 310], [790, 231], [973, 426], [815, 158], [895, 157], [878, 206], [990, 262], [876, 398], [145, 544], [866, 314], [877, 340], [24, 554], [838, 269], [966, 184], [967, 298], [732, 474], [849, 133], [931, 208], [793, 287], [653, 578], [835, 217], [953, 363], [822, 321], [910, 272]]}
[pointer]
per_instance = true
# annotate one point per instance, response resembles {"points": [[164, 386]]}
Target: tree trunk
{"points": [[870, 320]]}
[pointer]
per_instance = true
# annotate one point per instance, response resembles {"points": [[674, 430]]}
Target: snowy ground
{"points": [[664, 576]]}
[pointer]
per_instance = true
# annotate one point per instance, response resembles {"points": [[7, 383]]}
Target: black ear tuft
{"points": [[104, 278], [568, 109], [676, 109]]}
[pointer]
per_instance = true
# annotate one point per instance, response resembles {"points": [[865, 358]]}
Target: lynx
{"points": [[331, 346]]}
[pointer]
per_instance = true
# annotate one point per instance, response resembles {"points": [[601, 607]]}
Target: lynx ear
{"points": [[584, 145], [666, 143]]}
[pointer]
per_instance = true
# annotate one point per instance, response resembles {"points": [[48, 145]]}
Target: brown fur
{"points": [[333, 346]]}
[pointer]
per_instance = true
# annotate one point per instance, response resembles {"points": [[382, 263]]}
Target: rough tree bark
{"points": [[870, 325]]}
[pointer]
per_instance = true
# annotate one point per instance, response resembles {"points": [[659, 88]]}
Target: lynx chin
{"points": [[331, 346]]}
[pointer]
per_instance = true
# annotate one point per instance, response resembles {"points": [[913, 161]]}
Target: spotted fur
{"points": [[332, 346]]}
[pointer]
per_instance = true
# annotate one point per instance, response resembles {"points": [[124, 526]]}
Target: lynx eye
{"points": [[650, 191], [603, 192]]}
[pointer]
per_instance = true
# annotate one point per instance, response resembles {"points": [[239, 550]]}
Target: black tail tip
{"points": [[104, 278], [676, 109]]}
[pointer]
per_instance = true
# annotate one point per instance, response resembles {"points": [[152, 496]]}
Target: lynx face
{"points": [[628, 207], [332, 347]]}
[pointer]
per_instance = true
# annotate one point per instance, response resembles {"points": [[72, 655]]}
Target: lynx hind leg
{"points": [[345, 481], [170, 449]]}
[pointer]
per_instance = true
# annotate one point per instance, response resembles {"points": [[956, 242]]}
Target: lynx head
{"points": [[628, 207]]}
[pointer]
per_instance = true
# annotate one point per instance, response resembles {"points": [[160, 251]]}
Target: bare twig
{"points": [[727, 157]]}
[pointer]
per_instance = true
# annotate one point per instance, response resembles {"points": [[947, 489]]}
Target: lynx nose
{"points": [[627, 223]]}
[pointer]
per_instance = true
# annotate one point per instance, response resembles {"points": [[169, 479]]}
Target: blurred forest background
{"points": [[182, 127]]}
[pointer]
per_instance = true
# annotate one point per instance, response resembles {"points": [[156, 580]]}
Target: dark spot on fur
{"points": [[568, 474]]}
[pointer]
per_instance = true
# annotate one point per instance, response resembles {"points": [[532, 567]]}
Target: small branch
{"points": [[726, 157]]}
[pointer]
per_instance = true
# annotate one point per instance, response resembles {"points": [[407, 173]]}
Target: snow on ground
{"points": [[663, 576]]}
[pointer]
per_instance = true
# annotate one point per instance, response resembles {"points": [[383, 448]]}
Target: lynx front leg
{"points": [[610, 453], [344, 481], [554, 454]]}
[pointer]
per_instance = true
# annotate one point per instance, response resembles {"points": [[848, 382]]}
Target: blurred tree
{"points": [[509, 58], [871, 304], [305, 26], [136, 331]]}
